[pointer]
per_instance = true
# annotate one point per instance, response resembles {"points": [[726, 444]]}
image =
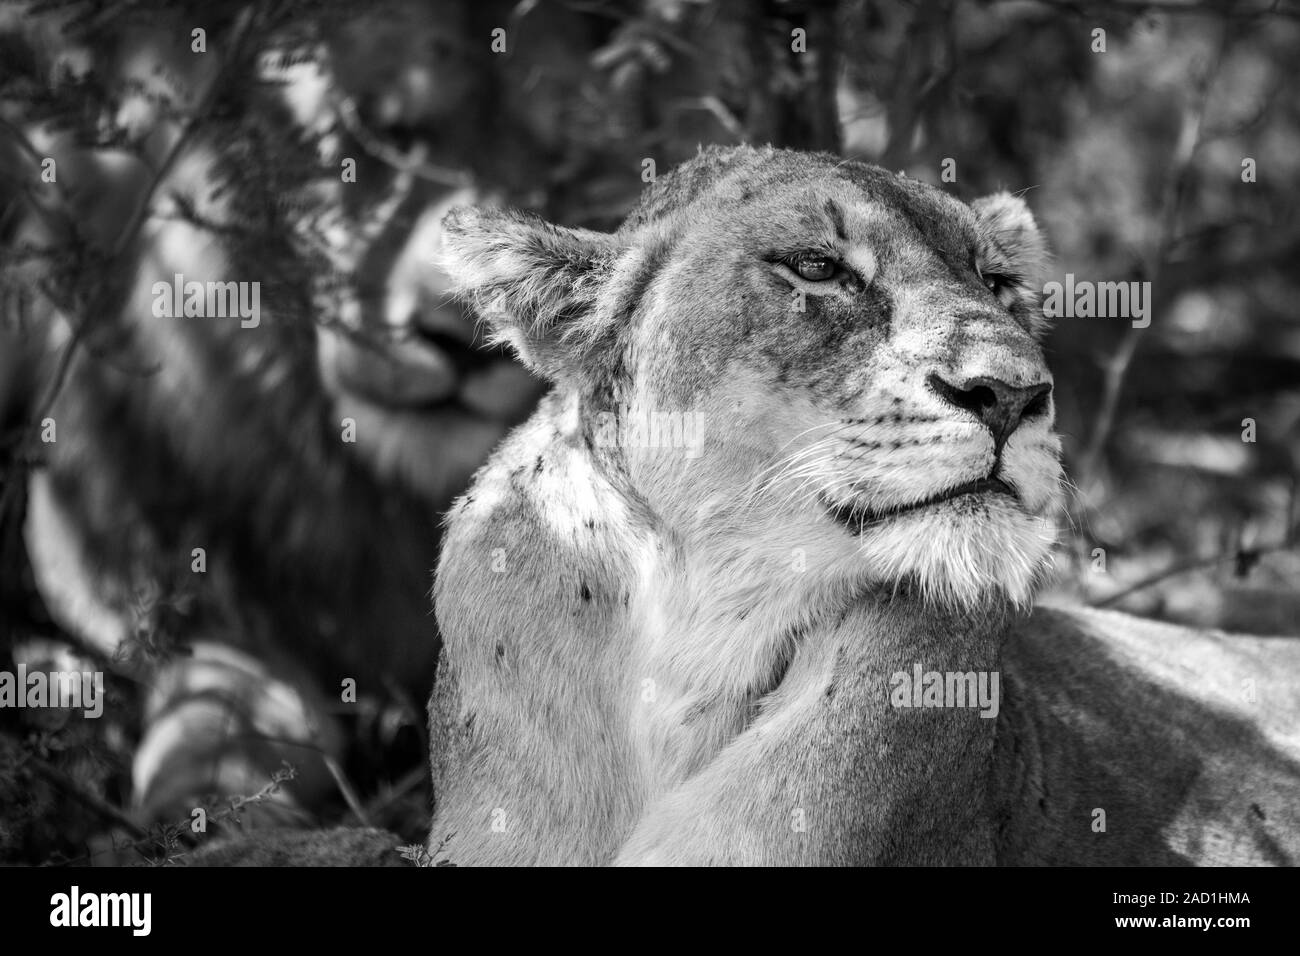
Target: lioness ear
{"points": [[535, 284], [1014, 243]]}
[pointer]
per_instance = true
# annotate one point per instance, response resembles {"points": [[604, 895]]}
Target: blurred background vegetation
{"points": [[1156, 141]]}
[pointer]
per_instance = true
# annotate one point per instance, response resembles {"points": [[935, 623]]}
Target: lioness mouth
{"points": [[856, 517]]}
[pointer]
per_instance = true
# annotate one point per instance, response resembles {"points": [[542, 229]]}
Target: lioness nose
{"points": [[1000, 406]]}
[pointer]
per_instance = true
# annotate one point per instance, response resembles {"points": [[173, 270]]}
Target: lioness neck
{"points": [[737, 650], [874, 769], [721, 683]]}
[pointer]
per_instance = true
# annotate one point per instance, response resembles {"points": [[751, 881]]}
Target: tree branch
{"points": [[1245, 554], [1117, 367]]}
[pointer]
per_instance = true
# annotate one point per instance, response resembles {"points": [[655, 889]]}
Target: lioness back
{"points": [[1166, 744]]}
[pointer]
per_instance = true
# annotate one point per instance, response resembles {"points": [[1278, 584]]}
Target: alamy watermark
{"points": [[1084, 299], [132, 911], [218, 300], [73, 690], [920, 688], [651, 429]]}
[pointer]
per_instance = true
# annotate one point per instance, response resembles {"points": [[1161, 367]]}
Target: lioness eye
{"points": [[814, 266], [996, 282]]}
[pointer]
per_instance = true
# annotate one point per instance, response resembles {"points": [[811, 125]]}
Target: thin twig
{"points": [[197, 118], [166, 835], [391, 156], [346, 788], [1117, 367], [404, 785], [1195, 564]]}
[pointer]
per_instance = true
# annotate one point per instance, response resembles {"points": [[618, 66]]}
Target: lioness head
{"points": [[861, 350]]}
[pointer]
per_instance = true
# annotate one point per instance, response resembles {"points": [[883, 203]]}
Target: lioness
{"points": [[798, 473]]}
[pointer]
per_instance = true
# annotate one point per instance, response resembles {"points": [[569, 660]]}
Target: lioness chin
{"points": [[798, 458]]}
